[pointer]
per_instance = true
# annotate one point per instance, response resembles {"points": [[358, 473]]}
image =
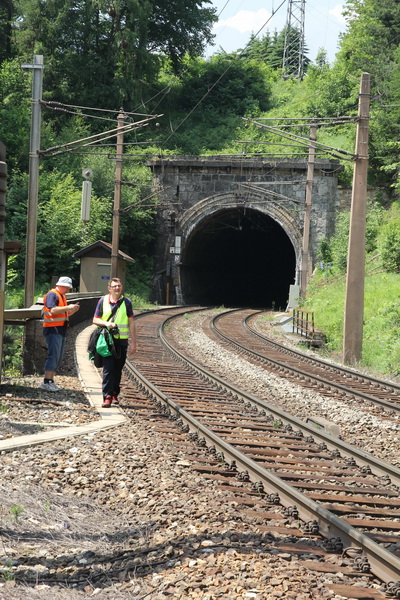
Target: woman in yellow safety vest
{"points": [[115, 310]]}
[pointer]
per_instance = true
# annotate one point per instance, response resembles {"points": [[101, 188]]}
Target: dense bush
{"points": [[389, 239]]}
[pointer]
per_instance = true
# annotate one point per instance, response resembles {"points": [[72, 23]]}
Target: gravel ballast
{"points": [[375, 434], [120, 514]]}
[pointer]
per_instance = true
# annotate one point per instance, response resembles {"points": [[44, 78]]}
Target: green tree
{"points": [[268, 49], [226, 84], [109, 51], [6, 16], [15, 95], [372, 35], [338, 245], [60, 229], [257, 48]]}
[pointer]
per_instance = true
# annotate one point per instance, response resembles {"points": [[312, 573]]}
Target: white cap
{"points": [[65, 281]]}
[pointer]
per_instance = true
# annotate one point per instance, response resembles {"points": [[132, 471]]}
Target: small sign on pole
{"points": [[86, 196]]}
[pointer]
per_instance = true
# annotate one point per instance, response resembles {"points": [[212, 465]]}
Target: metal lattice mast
{"points": [[293, 53]]}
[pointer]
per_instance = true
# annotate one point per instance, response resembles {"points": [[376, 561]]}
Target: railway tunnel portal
{"points": [[230, 232]]}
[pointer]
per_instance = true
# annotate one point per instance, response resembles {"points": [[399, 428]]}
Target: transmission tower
{"points": [[293, 53]]}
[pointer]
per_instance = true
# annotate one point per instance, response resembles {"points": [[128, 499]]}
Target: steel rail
{"points": [[339, 369], [383, 564], [380, 468], [318, 378]]}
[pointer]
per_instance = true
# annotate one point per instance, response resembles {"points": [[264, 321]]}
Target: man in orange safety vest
{"points": [[56, 312]]}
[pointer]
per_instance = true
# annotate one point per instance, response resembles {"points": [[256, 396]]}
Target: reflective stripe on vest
{"points": [[50, 320], [121, 318]]}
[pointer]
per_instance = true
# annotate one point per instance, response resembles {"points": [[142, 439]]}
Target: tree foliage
{"points": [[372, 36], [15, 112], [226, 83], [6, 17], [145, 55], [269, 49], [110, 49]]}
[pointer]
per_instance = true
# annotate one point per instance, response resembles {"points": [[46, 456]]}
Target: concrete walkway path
{"points": [[91, 384]]}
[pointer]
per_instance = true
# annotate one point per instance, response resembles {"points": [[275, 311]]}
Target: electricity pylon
{"points": [[293, 53]]}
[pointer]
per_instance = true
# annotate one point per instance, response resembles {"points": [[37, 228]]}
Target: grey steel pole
{"points": [[117, 197], [33, 189], [354, 303], [307, 213]]}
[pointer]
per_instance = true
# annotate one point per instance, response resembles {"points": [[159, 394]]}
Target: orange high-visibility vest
{"points": [[50, 320]]}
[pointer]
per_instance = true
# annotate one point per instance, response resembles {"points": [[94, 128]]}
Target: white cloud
{"points": [[245, 20], [337, 13]]}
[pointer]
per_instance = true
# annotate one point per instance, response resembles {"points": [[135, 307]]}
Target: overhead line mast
{"points": [[293, 53]]}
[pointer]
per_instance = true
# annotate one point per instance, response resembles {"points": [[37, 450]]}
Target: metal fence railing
{"points": [[304, 325]]}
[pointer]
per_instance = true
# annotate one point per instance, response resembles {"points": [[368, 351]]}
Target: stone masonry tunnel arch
{"points": [[237, 256], [196, 191]]}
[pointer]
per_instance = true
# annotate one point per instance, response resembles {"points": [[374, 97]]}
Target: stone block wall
{"points": [[186, 181]]}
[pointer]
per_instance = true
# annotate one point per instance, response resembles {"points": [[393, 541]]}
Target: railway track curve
{"points": [[338, 492], [307, 370]]}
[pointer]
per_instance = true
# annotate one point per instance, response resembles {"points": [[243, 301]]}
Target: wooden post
{"points": [[117, 196], [354, 303]]}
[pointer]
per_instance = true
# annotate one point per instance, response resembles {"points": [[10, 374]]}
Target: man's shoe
{"points": [[114, 400], [55, 386], [106, 402], [49, 386]]}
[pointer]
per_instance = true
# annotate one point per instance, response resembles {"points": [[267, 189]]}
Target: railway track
{"points": [[238, 328], [271, 462]]}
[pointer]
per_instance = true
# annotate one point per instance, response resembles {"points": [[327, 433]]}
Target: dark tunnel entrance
{"points": [[238, 257]]}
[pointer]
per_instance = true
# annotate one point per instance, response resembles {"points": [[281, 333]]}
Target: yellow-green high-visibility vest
{"points": [[121, 318]]}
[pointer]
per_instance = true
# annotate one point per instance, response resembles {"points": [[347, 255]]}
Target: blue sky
{"points": [[240, 18]]}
